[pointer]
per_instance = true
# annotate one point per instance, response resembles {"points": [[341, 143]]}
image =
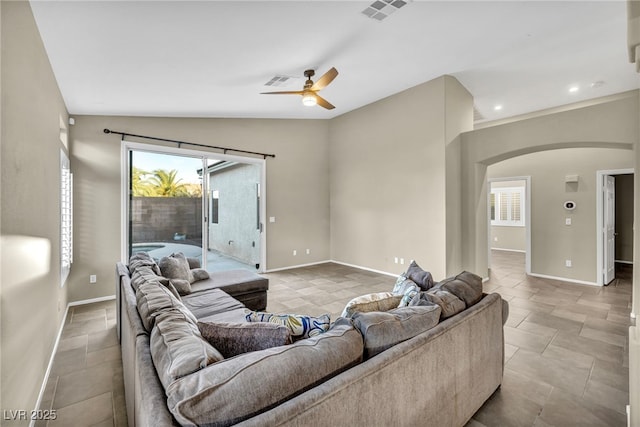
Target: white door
{"points": [[609, 228]]}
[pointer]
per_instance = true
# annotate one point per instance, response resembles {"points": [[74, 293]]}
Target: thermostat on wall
{"points": [[569, 205]]}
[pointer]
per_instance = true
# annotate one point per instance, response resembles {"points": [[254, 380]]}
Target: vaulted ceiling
{"points": [[213, 58]]}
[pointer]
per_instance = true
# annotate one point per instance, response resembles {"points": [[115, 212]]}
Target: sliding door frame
{"points": [[128, 146]]}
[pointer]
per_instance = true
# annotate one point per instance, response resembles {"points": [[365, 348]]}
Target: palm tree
{"points": [[166, 184], [140, 186]]}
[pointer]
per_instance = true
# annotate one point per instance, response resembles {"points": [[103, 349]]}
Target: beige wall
{"points": [[32, 301], [297, 192], [388, 180], [552, 241], [610, 123]]}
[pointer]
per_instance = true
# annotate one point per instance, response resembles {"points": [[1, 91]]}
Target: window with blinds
{"points": [[507, 206], [66, 218]]}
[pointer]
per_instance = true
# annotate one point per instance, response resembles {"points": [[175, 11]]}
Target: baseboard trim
{"points": [[386, 273], [509, 250], [564, 279], [50, 365], [273, 270], [92, 300]]}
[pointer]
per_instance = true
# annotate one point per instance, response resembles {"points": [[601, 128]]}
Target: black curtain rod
{"points": [[224, 149]]}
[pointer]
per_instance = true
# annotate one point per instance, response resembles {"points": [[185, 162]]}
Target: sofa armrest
{"points": [[505, 311]]}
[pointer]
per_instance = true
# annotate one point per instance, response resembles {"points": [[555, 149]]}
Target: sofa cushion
{"points": [[177, 347], [466, 286], [448, 302], [235, 389], [143, 259], [231, 339], [141, 275], [422, 278], [382, 330], [300, 326], [381, 301], [176, 266], [152, 298], [204, 304], [233, 282]]}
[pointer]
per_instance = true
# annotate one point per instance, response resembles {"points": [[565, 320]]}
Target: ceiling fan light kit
{"points": [[309, 100], [310, 90]]}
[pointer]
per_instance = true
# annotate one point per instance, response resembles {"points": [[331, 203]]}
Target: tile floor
{"points": [[565, 344]]}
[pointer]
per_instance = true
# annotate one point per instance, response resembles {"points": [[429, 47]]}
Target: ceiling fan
{"points": [[310, 90]]}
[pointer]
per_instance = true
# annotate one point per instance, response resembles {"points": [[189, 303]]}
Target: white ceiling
{"points": [[212, 58]]}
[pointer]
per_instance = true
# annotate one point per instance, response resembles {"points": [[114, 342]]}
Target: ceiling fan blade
{"points": [[325, 79], [324, 103], [286, 92]]}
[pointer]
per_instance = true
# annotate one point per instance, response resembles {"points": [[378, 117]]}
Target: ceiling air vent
{"points": [[380, 9], [278, 81], [477, 115]]}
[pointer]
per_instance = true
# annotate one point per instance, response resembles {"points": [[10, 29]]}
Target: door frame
{"points": [[527, 216], [126, 146], [600, 241]]}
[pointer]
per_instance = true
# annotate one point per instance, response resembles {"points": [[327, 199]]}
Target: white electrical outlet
{"points": [[395, 260], [567, 263], [93, 278], [272, 219], [567, 221], [308, 251], [495, 239], [401, 260], [295, 252]]}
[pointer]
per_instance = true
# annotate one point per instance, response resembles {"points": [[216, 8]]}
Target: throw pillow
{"points": [[167, 283], [231, 339], [182, 286], [193, 262], [381, 301], [176, 266], [199, 274], [422, 278], [407, 288], [466, 286], [300, 326]]}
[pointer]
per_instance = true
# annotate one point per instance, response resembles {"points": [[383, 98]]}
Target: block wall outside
{"points": [[159, 219]]}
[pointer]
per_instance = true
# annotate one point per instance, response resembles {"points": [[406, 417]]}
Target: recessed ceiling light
{"points": [[574, 89], [497, 107]]}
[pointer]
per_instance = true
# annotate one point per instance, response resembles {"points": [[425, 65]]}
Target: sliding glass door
{"points": [[165, 204], [204, 205]]}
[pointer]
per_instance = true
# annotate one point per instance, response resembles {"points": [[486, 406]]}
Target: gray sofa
{"points": [[439, 377]]}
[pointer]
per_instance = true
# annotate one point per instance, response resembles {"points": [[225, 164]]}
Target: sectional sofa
{"points": [[439, 377]]}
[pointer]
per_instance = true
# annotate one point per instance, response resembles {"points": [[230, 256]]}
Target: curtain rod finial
{"points": [[106, 131]]}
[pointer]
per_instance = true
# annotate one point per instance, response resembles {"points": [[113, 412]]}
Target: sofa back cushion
{"points": [[466, 286], [143, 259], [153, 298], [235, 389], [382, 330], [177, 348]]}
